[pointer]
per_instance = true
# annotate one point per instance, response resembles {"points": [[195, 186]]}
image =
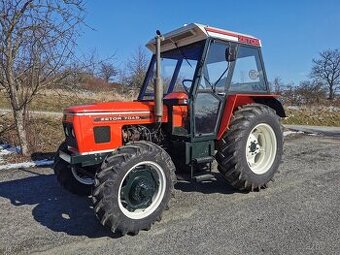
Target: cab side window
{"points": [[248, 72], [215, 69]]}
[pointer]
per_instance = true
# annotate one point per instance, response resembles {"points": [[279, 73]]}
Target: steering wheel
{"points": [[187, 89]]}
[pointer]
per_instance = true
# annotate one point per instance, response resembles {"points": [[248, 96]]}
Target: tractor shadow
{"points": [[54, 208], [207, 187], [43, 155]]}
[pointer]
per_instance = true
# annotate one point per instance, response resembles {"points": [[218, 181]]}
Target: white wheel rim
{"points": [[261, 148], [156, 199], [83, 179]]}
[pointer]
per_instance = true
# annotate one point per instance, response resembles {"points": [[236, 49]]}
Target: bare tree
{"points": [[107, 71], [277, 85], [310, 92], [326, 69], [306, 93], [137, 66], [37, 39]]}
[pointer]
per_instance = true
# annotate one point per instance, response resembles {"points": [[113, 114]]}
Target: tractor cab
{"points": [[201, 58], [204, 68], [204, 65]]}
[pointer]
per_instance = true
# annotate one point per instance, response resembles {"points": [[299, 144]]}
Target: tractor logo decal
{"points": [[120, 118]]}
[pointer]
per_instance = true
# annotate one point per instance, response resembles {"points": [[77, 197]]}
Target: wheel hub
{"points": [[253, 146], [142, 191], [139, 189]]}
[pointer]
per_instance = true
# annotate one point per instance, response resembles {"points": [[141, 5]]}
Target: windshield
{"points": [[177, 70]]}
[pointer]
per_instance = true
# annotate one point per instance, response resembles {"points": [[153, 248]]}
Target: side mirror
{"points": [[230, 53]]}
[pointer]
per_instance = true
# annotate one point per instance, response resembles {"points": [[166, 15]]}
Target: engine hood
{"points": [[111, 107]]}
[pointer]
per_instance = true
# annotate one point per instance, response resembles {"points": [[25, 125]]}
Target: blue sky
{"points": [[292, 32]]}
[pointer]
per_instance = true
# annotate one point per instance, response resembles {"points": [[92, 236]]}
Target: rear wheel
{"points": [[250, 152], [75, 179], [133, 187]]}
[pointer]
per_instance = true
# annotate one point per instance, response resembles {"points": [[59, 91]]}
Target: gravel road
{"points": [[298, 214]]}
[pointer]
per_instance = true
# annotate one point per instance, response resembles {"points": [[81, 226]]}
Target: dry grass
{"points": [[45, 132], [56, 100], [313, 116]]}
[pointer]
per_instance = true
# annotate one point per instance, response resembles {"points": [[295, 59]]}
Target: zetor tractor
{"points": [[205, 96]]}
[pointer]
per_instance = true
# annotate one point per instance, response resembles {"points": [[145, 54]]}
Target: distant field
{"points": [[56, 100]]}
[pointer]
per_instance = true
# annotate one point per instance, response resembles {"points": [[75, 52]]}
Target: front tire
{"points": [[250, 152], [133, 187], [70, 177]]}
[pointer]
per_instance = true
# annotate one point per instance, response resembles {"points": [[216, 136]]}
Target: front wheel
{"points": [[75, 179], [133, 187], [250, 152]]}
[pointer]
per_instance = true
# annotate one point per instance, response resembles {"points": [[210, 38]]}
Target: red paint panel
{"points": [[179, 115], [219, 31], [241, 38], [232, 103], [111, 107]]}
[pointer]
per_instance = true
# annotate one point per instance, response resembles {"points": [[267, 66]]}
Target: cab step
{"points": [[206, 177], [208, 159]]}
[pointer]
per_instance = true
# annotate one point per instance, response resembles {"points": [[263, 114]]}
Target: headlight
{"points": [[68, 117]]}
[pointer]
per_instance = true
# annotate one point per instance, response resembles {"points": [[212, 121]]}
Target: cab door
{"points": [[211, 90]]}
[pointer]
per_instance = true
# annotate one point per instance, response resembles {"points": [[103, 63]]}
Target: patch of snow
{"points": [[290, 132], [292, 107], [17, 165], [4, 146], [5, 152], [43, 162], [312, 134], [6, 149]]}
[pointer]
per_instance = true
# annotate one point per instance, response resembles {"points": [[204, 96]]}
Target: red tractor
{"points": [[205, 96]]}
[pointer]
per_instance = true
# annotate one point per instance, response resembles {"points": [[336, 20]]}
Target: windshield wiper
{"points": [[218, 80]]}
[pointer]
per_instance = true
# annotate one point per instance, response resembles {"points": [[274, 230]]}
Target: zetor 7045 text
{"points": [[205, 96]]}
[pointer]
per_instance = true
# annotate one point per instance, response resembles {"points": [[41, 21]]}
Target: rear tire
{"points": [[250, 152], [69, 177], [133, 187]]}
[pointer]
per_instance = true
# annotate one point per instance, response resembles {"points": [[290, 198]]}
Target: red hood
{"points": [[123, 106], [111, 107]]}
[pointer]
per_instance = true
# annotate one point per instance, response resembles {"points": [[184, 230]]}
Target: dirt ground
{"points": [[298, 214]]}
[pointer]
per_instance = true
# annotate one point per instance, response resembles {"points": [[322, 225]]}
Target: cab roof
{"points": [[195, 32]]}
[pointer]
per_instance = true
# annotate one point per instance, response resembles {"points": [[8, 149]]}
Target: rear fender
{"points": [[233, 102]]}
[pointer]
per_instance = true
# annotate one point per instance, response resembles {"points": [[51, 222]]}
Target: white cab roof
{"points": [[195, 32]]}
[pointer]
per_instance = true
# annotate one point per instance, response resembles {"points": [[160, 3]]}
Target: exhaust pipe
{"points": [[158, 84]]}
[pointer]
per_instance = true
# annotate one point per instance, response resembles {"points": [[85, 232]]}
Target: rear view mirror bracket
{"points": [[230, 53]]}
